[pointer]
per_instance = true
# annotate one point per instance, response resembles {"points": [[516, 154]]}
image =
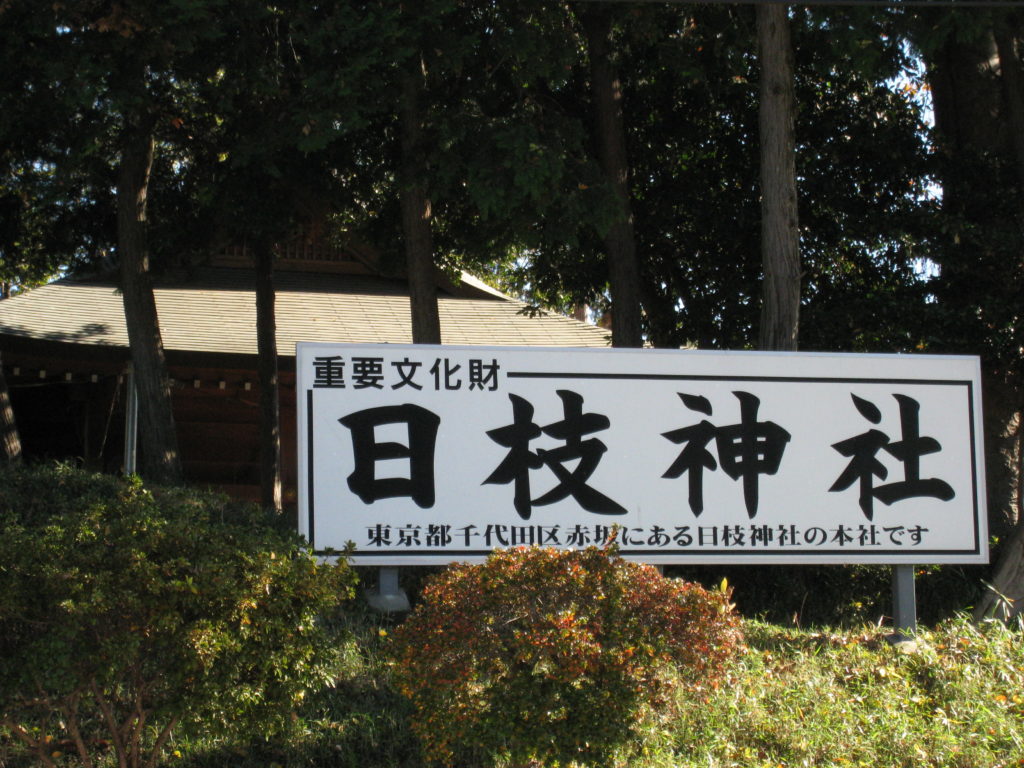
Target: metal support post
{"points": [[904, 603], [388, 597]]}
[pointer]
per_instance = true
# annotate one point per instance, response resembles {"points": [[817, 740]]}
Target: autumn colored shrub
{"points": [[541, 656], [126, 612]]}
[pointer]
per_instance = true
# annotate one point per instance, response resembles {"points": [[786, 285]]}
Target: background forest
{"points": [[722, 176]]}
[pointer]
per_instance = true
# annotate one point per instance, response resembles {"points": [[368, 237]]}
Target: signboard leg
{"points": [[388, 597], [904, 602]]}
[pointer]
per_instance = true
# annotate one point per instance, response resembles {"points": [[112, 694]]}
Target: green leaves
{"points": [[554, 656], [162, 605]]}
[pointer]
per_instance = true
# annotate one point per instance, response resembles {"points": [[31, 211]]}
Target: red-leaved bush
{"points": [[541, 656]]}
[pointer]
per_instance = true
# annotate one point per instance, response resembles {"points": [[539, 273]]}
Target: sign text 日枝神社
{"points": [[428, 454]]}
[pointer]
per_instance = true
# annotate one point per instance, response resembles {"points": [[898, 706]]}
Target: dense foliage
{"points": [[126, 611], [554, 656], [827, 697]]}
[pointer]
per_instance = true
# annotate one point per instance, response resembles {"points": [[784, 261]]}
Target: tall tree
{"points": [[417, 214], [610, 137], [484, 164], [299, 106], [972, 68], [1008, 579], [161, 460], [249, 173], [10, 441], [686, 72], [129, 64], [267, 365], [780, 249]]}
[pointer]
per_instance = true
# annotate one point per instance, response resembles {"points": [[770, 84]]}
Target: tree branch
{"points": [[70, 710], [161, 740], [111, 721], [38, 746]]}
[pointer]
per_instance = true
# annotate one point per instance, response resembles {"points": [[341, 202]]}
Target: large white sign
{"points": [[427, 454]]}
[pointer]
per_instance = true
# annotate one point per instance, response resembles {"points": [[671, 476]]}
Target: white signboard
{"points": [[427, 454]]}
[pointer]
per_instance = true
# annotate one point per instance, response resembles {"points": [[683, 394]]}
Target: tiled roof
{"points": [[214, 310]]}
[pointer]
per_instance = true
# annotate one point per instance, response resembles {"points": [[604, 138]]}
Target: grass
{"points": [[822, 697], [851, 699], [793, 698]]}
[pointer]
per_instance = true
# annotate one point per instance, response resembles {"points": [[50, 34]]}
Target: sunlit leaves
{"points": [[153, 606], [555, 656]]}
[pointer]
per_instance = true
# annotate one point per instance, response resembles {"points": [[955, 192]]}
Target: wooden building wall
{"points": [[74, 410]]}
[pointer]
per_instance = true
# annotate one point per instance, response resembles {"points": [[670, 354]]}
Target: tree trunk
{"points": [[416, 214], [1005, 454], [10, 442], [1013, 88], [780, 249], [610, 135], [1005, 598], [160, 459], [661, 317], [979, 110], [270, 410]]}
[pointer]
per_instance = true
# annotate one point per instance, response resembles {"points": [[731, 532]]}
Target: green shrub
{"points": [[546, 656], [126, 612]]}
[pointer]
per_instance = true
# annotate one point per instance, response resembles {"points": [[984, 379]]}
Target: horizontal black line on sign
{"points": [[847, 553], [699, 377]]}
